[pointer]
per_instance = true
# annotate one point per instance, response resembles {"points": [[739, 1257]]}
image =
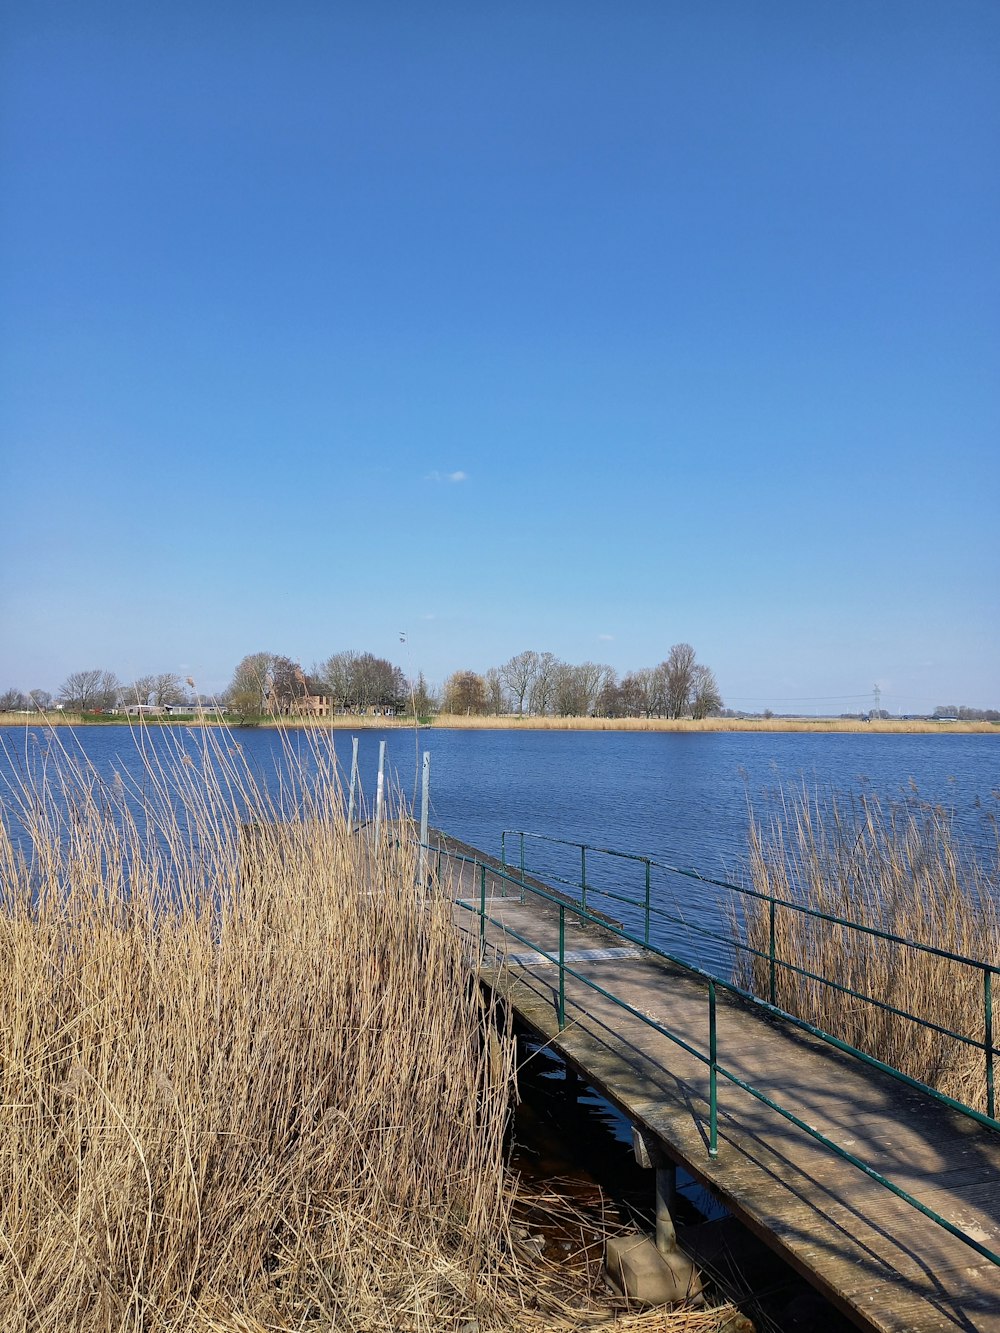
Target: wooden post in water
{"points": [[354, 783], [425, 798], [380, 791]]}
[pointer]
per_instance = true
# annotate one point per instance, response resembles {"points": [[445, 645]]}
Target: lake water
{"points": [[682, 798]]}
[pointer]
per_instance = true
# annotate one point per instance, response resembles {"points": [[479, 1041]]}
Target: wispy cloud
{"points": [[606, 638], [448, 476]]}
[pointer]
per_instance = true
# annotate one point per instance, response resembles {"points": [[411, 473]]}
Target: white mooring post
{"points": [[425, 800], [354, 783], [380, 791]]}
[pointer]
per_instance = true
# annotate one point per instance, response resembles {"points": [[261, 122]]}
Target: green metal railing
{"points": [[650, 912], [522, 885]]}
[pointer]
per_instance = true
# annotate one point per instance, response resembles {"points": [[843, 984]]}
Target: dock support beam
{"points": [[651, 1156], [651, 1273]]}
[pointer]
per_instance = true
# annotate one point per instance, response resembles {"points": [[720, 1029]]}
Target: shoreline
{"points": [[448, 722]]}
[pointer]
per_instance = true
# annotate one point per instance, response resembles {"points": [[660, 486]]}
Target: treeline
{"points": [[534, 684], [529, 684], [539, 685]]}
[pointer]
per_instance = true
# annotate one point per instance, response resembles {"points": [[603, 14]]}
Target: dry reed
{"points": [[900, 869], [242, 1077], [247, 1078], [711, 724], [464, 722]]}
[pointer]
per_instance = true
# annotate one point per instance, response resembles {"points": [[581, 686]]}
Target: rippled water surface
{"points": [[681, 798]]}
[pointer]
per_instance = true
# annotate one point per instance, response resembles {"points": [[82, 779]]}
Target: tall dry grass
{"points": [[460, 722], [245, 1078], [902, 869]]}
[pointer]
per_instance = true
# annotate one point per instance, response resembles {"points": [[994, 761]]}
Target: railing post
{"points": [[482, 909], [503, 849], [522, 867], [988, 1026], [773, 985], [583, 876], [646, 932], [562, 967], [713, 1091]]}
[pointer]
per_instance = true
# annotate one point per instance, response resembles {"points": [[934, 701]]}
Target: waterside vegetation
{"points": [[897, 870], [248, 1080]]}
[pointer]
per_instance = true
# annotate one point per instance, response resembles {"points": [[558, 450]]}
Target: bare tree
{"points": [[680, 667], [610, 701], [141, 691], [577, 688], [496, 695], [13, 701], [544, 683], [168, 689], [518, 674], [422, 697], [286, 685], [648, 691], [705, 697], [465, 693], [40, 699], [90, 691], [248, 689], [359, 681], [335, 674]]}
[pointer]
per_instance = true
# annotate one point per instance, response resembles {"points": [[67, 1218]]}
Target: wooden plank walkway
{"points": [[874, 1256]]}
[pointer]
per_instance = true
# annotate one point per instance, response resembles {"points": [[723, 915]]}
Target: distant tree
{"points": [[609, 701], [40, 699], [12, 701], [706, 701], [496, 693], [679, 679], [90, 691], [578, 688], [359, 681], [631, 695], [647, 688], [286, 685], [422, 698], [335, 675], [140, 691], [248, 690], [543, 684], [168, 689], [517, 675], [465, 693]]}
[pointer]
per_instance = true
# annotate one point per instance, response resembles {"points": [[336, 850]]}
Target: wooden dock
{"points": [[874, 1256]]}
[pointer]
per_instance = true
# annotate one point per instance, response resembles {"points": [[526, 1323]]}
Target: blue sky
{"points": [[582, 327]]}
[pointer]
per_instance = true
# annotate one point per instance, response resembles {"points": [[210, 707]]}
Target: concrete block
{"points": [[636, 1269]]}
